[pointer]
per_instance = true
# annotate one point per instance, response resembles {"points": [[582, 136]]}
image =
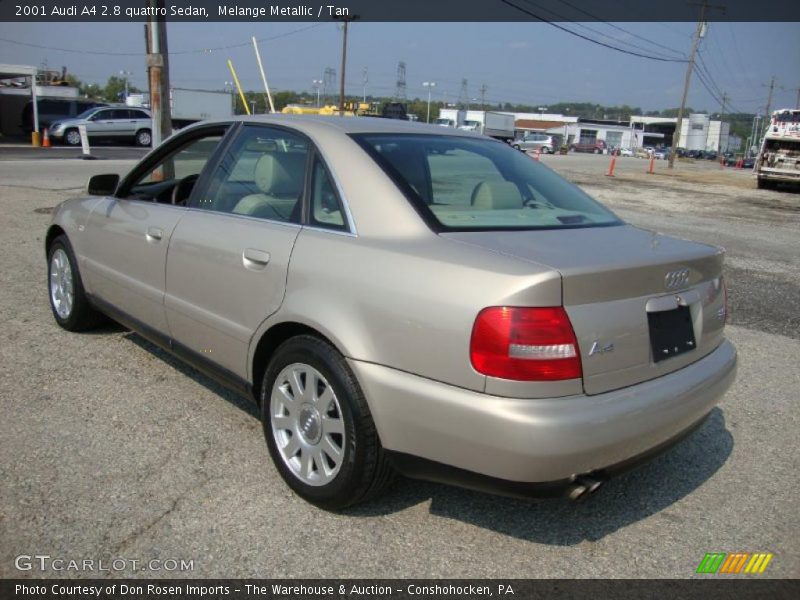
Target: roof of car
{"points": [[355, 124]]}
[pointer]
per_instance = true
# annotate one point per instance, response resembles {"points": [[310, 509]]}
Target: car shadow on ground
{"points": [[649, 490], [207, 382], [637, 495]]}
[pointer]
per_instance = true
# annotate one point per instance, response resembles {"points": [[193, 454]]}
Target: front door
{"points": [[229, 255], [128, 235]]}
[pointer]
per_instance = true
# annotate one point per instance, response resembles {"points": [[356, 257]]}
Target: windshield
{"points": [[87, 113], [462, 184]]}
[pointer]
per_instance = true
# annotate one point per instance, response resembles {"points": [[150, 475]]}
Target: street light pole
{"points": [[430, 85], [125, 75], [317, 83]]}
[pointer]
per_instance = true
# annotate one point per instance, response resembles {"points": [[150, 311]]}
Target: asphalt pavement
{"points": [[16, 152], [113, 449]]}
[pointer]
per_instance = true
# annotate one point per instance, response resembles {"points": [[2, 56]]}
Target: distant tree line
{"points": [[113, 91]]}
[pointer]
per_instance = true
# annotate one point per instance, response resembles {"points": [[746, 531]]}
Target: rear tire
{"points": [[68, 300], [318, 427], [144, 138]]}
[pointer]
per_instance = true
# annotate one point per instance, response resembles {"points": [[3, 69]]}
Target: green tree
{"points": [[114, 91]]}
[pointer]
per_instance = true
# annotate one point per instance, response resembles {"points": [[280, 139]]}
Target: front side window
{"points": [[171, 180], [461, 184], [261, 176]]}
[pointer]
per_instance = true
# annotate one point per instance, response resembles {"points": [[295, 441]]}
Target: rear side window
{"points": [[326, 208], [463, 184]]}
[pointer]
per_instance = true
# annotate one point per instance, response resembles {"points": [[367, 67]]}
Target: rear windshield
{"points": [[465, 184]]}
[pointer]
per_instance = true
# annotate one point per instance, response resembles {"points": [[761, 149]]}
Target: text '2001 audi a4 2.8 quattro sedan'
{"points": [[399, 297]]}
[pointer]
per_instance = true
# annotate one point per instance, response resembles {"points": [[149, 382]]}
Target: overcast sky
{"points": [[532, 63]]}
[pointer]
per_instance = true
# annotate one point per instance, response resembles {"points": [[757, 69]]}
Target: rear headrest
{"points": [[496, 195], [280, 173]]}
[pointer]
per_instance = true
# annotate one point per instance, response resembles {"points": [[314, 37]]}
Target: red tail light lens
{"points": [[525, 344]]}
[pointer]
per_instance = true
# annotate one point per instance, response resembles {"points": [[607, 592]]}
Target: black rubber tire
{"points": [[365, 471], [83, 316], [67, 137], [516, 147], [139, 138], [765, 184]]}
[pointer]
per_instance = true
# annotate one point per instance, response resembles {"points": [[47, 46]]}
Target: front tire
{"points": [[72, 137], [68, 301], [318, 427]]}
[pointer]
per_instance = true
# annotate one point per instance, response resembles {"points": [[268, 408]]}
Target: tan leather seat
{"points": [[494, 195], [279, 176]]}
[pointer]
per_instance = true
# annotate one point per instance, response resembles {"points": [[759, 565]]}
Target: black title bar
{"points": [[400, 10], [740, 588]]}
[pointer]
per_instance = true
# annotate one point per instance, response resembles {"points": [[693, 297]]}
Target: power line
{"points": [[588, 39], [588, 14], [196, 51]]}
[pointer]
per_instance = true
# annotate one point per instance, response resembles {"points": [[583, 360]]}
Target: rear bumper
{"points": [[540, 441]]}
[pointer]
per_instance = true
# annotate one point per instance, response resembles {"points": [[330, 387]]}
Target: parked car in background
{"points": [[544, 346], [536, 141], [661, 153], [594, 147], [55, 109], [642, 152], [709, 154], [107, 123], [625, 152]]}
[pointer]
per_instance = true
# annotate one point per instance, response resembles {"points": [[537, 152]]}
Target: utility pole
{"points": [[345, 21], [483, 89], [364, 81], [700, 31], [721, 115], [768, 116], [158, 72]]}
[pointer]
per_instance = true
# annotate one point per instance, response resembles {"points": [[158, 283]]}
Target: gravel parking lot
{"points": [[113, 449]]}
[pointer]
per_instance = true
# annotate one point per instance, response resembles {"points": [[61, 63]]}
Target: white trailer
{"points": [[189, 106], [494, 124]]}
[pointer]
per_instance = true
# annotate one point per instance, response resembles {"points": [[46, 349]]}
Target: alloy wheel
{"points": [[307, 424]]}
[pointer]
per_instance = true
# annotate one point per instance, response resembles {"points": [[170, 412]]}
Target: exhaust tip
{"points": [[583, 487]]}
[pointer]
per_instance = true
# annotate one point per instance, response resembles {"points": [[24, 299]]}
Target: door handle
{"points": [[255, 259], [154, 234]]}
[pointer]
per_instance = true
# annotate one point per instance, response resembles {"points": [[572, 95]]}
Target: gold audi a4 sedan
{"points": [[406, 298]]}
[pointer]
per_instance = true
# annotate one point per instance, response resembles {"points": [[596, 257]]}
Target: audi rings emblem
{"points": [[676, 279]]}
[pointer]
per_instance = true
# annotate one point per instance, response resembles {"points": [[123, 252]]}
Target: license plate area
{"points": [[671, 332]]}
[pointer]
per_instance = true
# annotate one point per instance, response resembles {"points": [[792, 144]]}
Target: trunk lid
{"points": [[614, 281]]}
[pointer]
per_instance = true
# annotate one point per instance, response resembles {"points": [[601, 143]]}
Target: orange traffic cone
{"points": [[611, 166], [651, 169], [46, 142]]}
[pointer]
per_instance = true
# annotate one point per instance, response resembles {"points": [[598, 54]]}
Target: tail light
{"points": [[525, 344]]}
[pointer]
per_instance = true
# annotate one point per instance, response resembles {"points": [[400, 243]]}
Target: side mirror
{"points": [[102, 185]]}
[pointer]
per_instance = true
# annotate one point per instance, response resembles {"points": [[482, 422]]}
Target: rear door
{"points": [[229, 255], [128, 235]]}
